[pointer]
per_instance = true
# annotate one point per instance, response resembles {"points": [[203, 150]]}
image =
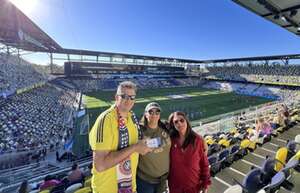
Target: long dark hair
{"points": [[190, 135]]}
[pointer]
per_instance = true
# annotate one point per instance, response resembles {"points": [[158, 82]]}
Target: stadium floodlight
{"points": [[298, 29]]}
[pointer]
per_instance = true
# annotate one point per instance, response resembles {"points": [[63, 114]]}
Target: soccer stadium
{"points": [[48, 109]]}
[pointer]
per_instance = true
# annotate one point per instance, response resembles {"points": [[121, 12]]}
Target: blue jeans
{"points": [[145, 187]]}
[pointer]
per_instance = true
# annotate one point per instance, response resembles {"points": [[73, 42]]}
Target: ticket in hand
{"points": [[154, 142]]}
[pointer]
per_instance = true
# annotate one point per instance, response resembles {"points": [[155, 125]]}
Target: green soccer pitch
{"points": [[198, 103]]}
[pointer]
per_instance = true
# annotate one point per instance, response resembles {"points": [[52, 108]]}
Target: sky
{"points": [[191, 29]]}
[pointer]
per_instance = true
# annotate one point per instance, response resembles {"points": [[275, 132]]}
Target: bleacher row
{"points": [[16, 73], [226, 149], [256, 73], [273, 92], [28, 119]]}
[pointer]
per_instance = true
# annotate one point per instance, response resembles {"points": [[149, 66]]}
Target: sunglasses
{"points": [[154, 112], [127, 97], [179, 120]]}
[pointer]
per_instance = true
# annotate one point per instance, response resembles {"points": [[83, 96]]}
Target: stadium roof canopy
{"points": [[256, 58], [18, 31], [285, 13], [124, 55]]}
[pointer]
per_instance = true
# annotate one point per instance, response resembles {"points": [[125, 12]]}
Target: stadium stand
{"points": [[16, 73], [28, 119], [272, 92], [88, 85], [277, 74]]}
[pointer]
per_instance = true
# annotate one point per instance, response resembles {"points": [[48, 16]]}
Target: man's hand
{"points": [[142, 148]]}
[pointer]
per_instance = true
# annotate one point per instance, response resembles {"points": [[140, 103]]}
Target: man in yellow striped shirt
{"points": [[114, 139]]}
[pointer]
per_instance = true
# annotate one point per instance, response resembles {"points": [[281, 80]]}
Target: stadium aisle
{"points": [[239, 169]]}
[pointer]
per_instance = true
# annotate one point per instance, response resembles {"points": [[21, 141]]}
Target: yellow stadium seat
{"points": [[45, 191], [281, 155], [252, 145], [224, 143], [298, 154], [210, 141], [87, 182], [84, 190], [245, 144]]}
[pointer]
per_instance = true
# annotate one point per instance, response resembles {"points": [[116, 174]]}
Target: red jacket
{"points": [[189, 168]]}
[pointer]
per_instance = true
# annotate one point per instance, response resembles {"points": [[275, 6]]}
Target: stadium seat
{"points": [[293, 163], [223, 158], [84, 190], [209, 140], [87, 182], [34, 191], [274, 133], [275, 183], [213, 148], [215, 165], [234, 153], [253, 184], [45, 191], [268, 169], [281, 157], [233, 138], [73, 188], [253, 181], [224, 143], [280, 129], [292, 149], [248, 145], [59, 188]]}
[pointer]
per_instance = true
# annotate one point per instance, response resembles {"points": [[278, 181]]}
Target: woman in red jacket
{"points": [[189, 168]]}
